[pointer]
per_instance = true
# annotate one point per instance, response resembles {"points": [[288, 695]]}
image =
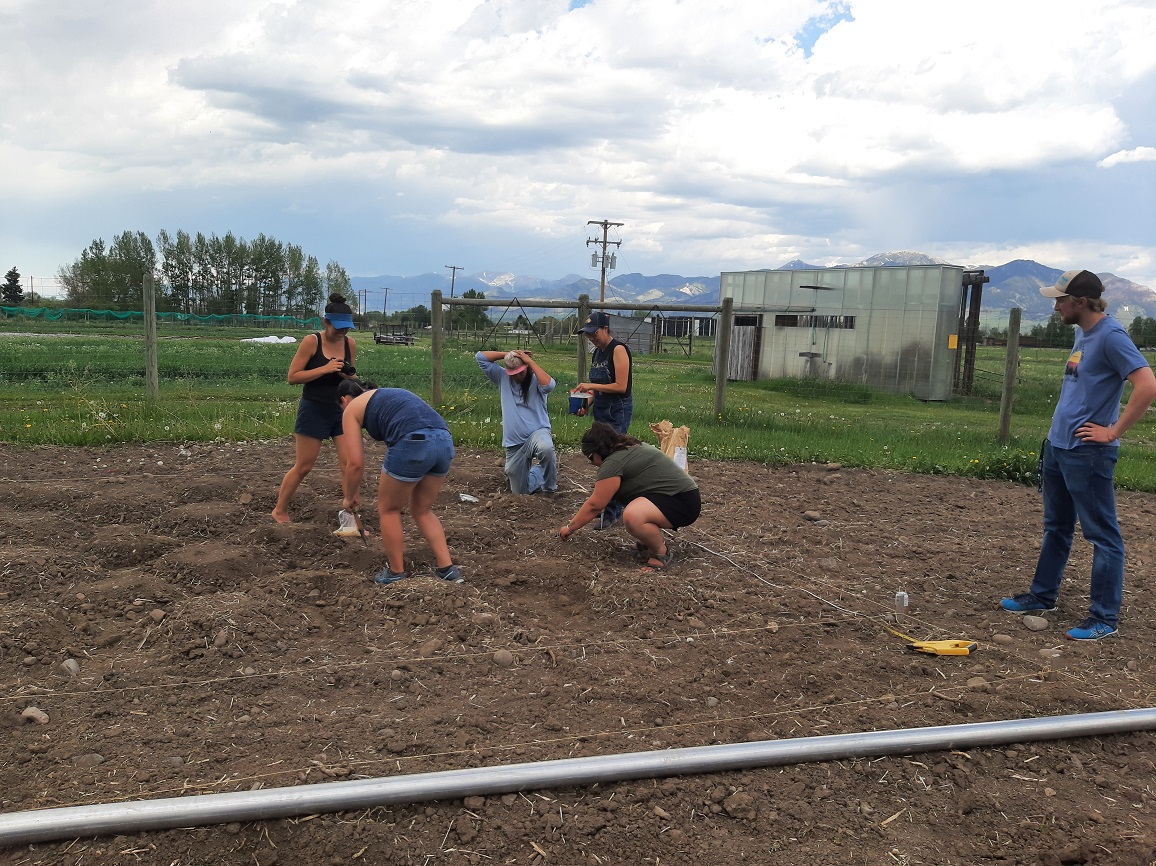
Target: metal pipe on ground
{"points": [[119, 818]]}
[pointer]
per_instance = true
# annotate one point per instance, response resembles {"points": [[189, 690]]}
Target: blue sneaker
{"points": [[1026, 603], [1091, 629], [386, 576], [450, 573]]}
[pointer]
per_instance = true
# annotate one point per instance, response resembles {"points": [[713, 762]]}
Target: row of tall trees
{"points": [[203, 275]]}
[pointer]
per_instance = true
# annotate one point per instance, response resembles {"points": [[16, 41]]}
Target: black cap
{"points": [[594, 322]]}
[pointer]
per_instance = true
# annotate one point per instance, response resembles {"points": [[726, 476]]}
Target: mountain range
{"points": [[1013, 284]]}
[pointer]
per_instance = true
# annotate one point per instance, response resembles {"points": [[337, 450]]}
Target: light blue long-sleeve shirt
{"points": [[520, 417]]}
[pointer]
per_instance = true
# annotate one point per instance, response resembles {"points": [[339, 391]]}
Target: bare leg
{"points": [[392, 496], [645, 522], [307, 450], [421, 510]]}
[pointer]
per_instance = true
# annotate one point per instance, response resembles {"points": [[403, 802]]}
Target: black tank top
{"points": [[324, 388]]}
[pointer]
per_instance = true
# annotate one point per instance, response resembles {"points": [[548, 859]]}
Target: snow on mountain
{"points": [[1014, 284]]}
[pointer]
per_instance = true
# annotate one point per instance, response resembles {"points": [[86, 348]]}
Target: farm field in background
{"points": [[71, 389]]}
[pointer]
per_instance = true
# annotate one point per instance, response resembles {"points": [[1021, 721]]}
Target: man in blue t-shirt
{"points": [[526, 436], [1079, 459]]}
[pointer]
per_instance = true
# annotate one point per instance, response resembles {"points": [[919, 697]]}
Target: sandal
{"points": [[659, 563]]}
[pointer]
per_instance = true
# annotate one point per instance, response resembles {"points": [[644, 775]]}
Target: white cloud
{"points": [[390, 133], [1136, 154]]}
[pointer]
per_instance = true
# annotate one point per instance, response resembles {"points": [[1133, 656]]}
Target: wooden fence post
{"points": [[722, 355], [152, 377], [1011, 368], [583, 313], [438, 342]]}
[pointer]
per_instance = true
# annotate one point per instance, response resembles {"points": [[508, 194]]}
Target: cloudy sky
{"points": [[400, 136]]}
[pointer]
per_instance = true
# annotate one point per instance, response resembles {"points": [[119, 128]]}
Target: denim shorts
{"points": [[421, 453], [318, 420]]}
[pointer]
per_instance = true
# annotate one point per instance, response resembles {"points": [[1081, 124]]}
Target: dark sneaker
{"points": [[450, 573], [1091, 629], [386, 576], [1026, 603]]}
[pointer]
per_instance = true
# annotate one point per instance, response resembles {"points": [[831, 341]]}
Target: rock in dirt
{"points": [[92, 759], [812, 515], [978, 683], [1002, 639], [503, 658], [1035, 623], [70, 667], [34, 714]]}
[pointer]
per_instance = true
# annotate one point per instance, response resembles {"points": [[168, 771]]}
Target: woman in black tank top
{"points": [[322, 362]]}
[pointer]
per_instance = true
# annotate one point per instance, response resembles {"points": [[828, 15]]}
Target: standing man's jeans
{"points": [[1079, 483], [525, 477]]}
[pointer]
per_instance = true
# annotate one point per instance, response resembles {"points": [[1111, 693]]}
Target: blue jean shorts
{"points": [[318, 420], [420, 453]]}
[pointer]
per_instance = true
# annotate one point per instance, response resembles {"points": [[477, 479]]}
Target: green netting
{"points": [[235, 320]]}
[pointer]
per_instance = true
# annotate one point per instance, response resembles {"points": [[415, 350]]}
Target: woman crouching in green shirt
{"points": [[657, 493]]}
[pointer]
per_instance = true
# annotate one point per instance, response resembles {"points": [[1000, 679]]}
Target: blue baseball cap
{"points": [[341, 321]]}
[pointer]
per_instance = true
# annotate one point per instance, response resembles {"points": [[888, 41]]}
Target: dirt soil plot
{"points": [[160, 636]]}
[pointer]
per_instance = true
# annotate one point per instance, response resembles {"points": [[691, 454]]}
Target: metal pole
{"points": [[123, 818]]}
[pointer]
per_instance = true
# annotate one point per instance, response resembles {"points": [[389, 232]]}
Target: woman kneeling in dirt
{"points": [[658, 494], [417, 460]]}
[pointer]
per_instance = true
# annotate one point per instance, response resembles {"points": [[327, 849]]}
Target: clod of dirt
{"points": [[34, 714], [1035, 623], [812, 515], [503, 658], [92, 759], [1002, 639]]}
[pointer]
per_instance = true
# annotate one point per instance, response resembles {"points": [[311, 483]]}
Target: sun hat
{"points": [[514, 364], [1074, 284]]}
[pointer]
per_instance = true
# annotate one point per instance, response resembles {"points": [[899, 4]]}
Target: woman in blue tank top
{"points": [[417, 460]]}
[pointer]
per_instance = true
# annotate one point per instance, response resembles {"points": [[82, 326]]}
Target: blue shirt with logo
{"points": [[1102, 359]]}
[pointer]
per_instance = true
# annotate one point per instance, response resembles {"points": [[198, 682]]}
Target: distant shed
{"points": [[894, 328]]}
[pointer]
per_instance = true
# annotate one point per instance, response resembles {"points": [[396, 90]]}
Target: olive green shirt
{"points": [[644, 469]]}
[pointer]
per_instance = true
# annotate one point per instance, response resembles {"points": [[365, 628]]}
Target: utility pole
{"points": [[450, 312], [385, 301], [608, 263]]}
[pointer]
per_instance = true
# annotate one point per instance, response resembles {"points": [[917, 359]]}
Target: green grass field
{"points": [[73, 389]]}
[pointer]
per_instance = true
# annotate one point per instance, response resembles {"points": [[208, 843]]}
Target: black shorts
{"points": [[682, 509]]}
